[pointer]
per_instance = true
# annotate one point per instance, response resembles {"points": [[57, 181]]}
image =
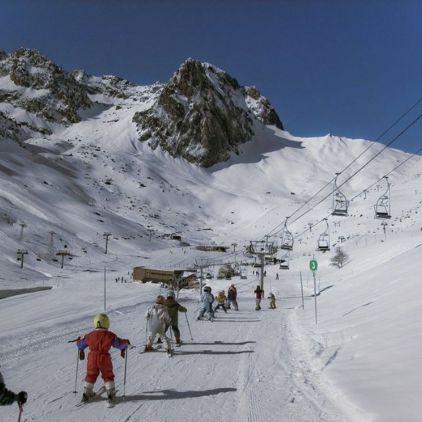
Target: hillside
{"points": [[82, 155]]}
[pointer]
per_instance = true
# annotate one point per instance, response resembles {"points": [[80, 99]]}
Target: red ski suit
{"points": [[99, 342]]}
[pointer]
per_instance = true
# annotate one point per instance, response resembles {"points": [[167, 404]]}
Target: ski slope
{"points": [[358, 364]]}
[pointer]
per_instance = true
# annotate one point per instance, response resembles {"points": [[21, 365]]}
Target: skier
{"points": [[99, 342], [272, 301], [173, 308], [221, 300], [258, 294], [8, 397], [276, 276], [158, 320], [232, 297], [206, 303]]}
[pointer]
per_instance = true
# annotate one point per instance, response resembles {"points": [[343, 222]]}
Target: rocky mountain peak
{"points": [[203, 114], [56, 95]]}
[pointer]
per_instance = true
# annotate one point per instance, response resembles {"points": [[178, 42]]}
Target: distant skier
{"points": [[258, 295], [206, 303], [232, 297], [174, 308], [158, 320], [276, 276], [8, 397], [221, 301], [272, 301], [99, 343]]}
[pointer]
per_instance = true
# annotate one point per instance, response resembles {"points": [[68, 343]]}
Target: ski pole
{"points": [[20, 412], [124, 378], [76, 374], [146, 331], [190, 332]]}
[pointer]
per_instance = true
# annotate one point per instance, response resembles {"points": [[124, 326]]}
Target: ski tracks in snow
{"points": [[245, 366], [275, 383]]}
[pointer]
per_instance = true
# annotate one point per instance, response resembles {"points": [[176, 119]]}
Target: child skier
{"points": [[99, 342], [221, 300], [173, 308], [232, 297], [158, 319], [206, 303], [272, 301], [258, 294]]}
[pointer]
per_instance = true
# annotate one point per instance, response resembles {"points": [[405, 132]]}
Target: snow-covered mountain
{"points": [[81, 155]]}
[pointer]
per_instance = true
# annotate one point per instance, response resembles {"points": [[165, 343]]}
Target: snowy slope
{"points": [[94, 176]]}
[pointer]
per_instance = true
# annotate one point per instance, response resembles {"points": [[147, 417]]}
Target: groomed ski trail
{"points": [[245, 366]]}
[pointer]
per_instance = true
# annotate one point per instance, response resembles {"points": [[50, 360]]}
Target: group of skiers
{"points": [[223, 301], [164, 314], [259, 294], [161, 316]]}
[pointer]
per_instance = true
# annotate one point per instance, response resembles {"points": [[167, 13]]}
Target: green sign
{"points": [[313, 265]]}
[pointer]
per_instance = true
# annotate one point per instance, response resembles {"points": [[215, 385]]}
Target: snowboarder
{"points": [[8, 397], [206, 303], [221, 300], [173, 308], [232, 297], [258, 295], [272, 301], [158, 320], [99, 343]]}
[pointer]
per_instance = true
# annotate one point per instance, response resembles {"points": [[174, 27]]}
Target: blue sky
{"points": [[343, 67]]}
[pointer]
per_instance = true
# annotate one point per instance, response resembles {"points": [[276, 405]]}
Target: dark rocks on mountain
{"points": [[201, 114], [109, 85], [9, 129], [63, 95]]}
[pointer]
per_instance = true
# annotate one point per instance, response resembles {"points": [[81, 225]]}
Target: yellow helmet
{"points": [[101, 321]]}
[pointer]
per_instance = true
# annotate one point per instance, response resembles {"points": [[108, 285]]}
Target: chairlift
{"points": [[285, 261], [340, 202], [324, 239], [287, 239], [383, 205]]}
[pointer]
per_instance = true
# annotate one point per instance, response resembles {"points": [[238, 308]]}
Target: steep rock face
{"points": [[9, 129], [201, 114], [261, 107], [41, 87]]}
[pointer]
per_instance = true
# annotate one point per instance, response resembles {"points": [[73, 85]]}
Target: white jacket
{"points": [[158, 316]]}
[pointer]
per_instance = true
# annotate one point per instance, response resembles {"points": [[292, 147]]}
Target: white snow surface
{"points": [[359, 363]]}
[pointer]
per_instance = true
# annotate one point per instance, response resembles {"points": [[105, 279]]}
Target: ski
{"points": [[97, 395]]}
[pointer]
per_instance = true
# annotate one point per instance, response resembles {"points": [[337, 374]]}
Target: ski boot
{"points": [[169, 353], [88, 392], [148, 348], [178, 342], [111, 393]]}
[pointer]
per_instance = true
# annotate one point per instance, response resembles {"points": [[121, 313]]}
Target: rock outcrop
{"points": [[203, 115], [51, 93]]}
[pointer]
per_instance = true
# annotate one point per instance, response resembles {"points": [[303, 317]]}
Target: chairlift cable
{"points": [[363, 166], [353, 161], [367, 188]]}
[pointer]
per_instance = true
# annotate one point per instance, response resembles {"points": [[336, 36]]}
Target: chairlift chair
{"points": [[324, 239], [340, 202], [383, 205], [287, 239], [285, 262]]}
